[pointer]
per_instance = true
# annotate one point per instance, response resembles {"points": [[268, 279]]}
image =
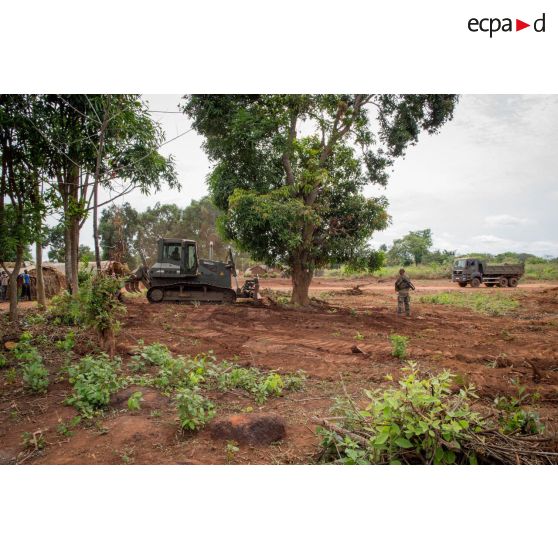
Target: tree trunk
{"points": [[74, 259], [301, 278], [96, 186], [68, 255], [96, 226], [12, 287], [41, 298]]}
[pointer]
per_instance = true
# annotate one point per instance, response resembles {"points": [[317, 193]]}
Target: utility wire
{"points": [[167, 111], [62, 152]]}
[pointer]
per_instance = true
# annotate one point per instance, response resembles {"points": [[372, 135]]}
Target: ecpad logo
{"points": [[492, 25]]}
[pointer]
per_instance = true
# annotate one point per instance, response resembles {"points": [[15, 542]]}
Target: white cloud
{"points": [[506, 220], [478, 176], [490, 239]]}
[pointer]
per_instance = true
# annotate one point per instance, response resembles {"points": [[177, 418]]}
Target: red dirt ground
{"points": [[317, 340]]}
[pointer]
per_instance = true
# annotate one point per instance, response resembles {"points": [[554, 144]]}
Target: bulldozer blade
{"points": [[132, 286]]}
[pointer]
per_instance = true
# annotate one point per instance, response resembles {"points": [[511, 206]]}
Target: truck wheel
{"points": [[462, 284], [512, 282], [502, 282], [475, 282]]}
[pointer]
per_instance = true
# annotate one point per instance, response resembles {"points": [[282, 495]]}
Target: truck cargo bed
{"points": [[504, 270]]}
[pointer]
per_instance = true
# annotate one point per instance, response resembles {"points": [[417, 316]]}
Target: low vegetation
{"points": [[427, 419], [194, 410], [398, 345], [34, 373], [94, 380], [102, 309], [134, 401], [515, 413], [174, 373], [493, 303], [251, 380]]}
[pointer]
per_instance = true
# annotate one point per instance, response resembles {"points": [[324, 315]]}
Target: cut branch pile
{"points": [[491, 446]]}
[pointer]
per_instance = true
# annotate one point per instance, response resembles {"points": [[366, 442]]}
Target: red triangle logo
{"points": [[519, 25]]}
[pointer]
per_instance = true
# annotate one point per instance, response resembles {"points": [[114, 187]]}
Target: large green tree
{"points": [[289, 170], [94, 141], [412, 248], [22, 207], [118, 230], [125, 231]]}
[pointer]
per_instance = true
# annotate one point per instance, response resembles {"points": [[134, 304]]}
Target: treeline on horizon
{"points": [[125, 232]]}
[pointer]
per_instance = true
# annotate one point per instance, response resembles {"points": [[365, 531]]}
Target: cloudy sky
{"points": [[488, 182]]}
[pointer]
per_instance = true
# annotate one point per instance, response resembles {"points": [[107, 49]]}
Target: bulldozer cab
{"points": [[175, 258]]}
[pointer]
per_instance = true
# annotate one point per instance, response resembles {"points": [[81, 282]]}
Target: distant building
{"points": [[258, 269]]}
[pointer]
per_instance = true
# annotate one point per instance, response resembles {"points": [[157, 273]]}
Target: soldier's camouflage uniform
{"points": [[403, 286]]}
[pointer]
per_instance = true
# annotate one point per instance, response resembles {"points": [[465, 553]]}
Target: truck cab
{"points": [[466, 269]]}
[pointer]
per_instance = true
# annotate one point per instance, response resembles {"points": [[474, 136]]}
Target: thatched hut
{"points": [[258, 269], [55, 281]]}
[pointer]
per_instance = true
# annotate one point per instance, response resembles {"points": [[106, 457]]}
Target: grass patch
{"points": [[494, 304]]}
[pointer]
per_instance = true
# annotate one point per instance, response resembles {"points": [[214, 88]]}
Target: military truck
{"points": [[474, 272]]}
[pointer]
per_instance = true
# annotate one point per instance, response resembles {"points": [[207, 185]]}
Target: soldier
{"points": [[402, 286]]}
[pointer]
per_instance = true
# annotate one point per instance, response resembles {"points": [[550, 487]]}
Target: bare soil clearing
{"points": [[489, 351]]}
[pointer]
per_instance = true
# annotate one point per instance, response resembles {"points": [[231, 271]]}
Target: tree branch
{"points": [[288, 149]]}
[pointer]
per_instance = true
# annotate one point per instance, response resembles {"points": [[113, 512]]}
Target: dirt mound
{"points": [[256, 430]]}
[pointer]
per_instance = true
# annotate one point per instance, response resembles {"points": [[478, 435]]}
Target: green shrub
{"points": [[270, 386], [189, 372], [294, 382], [34, 373], [3, 361], [515, 417], [85, 274], [94, 380], [231, 449], [258, 385], [194, 410], [134, 401], [102, 308], [31, 319], [68, 343], [420, 421], [64, 428], [237, 377], [155, 354], [35, 376], [398, 345], [66, 310]]}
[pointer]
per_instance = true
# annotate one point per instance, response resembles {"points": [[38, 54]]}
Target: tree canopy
{"points": [[412, 248], [289, 170], [125, 231]]}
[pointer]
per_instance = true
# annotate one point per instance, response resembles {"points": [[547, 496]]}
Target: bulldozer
{"points": [[179, 275]]}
